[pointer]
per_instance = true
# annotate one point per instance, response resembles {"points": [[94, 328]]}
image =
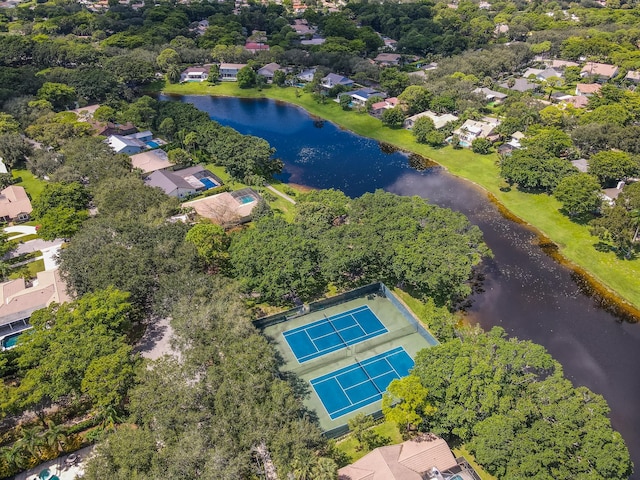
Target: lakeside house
{"points": [[513, 144], [195, 74], [439, 121], [307, 75], [333, 80], [19, 300], [359, 97], [386, 104], [229, 71], [134, 143], [424, 457], [14, 204], [227, 208], [183, 183], [473, 129], [268, 70]]}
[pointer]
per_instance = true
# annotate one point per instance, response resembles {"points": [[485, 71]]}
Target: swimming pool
{"points": [[246, 199], [10, 341], [152, 144]]}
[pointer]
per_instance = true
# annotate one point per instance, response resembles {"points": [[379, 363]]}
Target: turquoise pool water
{"points": [[152, 144], [10, 340], [246, 199]]}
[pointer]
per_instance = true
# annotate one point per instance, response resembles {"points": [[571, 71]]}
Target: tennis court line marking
{"points": [[337, 316], [340, 346], [350, 313], [360, 365]]}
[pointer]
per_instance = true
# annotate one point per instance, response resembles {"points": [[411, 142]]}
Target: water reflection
{"points": [[523, 289]]}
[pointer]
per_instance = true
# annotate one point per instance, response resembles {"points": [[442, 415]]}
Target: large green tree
{"points": [[579, 194], [610, 167], [508, 400]]}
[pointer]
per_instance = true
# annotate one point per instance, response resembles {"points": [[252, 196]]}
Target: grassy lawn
{"points": [[31, 184], [619, 277], [349, 445], [29, 270]]}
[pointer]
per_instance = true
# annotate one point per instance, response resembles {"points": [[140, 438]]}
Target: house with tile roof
{"points": [[587, 89], [195, 74], [601, 71], [386, 104], [18, 301], [426, 456], [439, 121], [229, 71], [151, 161], [14, 204], [183, 183], [268, 70]]}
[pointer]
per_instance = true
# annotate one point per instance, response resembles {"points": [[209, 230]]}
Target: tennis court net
{"points": [[352, 350]]}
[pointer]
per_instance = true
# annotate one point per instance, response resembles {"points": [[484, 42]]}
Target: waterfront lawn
{"points": [[538, 210]]}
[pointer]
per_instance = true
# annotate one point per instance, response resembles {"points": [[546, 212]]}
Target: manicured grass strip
{"points": [[29, 270], [540, 211]]}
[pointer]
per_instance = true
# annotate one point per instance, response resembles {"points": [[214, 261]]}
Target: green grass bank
{"points": [[613, 278]]}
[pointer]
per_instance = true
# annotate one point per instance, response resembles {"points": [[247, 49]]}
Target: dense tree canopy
{"points": [[380, 236], [520, 417]]}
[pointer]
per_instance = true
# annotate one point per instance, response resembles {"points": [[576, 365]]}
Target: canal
{"points": [[525, 291]]}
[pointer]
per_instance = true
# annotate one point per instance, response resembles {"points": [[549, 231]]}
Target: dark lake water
{"points": [[525, 291]]}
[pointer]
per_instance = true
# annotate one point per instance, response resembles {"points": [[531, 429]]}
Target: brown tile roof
{"points": [[600, 69], [17, 301], [151, 161], [406, 461], [588, 88], [14, 201]]}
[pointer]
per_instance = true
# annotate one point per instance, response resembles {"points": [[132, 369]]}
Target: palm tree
{"points": [[325, 469], [13, 457], [303, 467], [31, 441], [55, 436], [109, 418]]}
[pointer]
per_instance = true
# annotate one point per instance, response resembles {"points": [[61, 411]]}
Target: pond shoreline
{"points": [[607, 297]]}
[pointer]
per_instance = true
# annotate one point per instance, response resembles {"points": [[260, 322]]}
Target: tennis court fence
{"points": [[352, 350]]}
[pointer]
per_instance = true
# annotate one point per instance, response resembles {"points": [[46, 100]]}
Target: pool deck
{"points": [[59, 467]]}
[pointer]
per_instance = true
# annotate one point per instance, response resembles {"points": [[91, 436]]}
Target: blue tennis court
{"points": [[333, 333], [362, 383]]}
